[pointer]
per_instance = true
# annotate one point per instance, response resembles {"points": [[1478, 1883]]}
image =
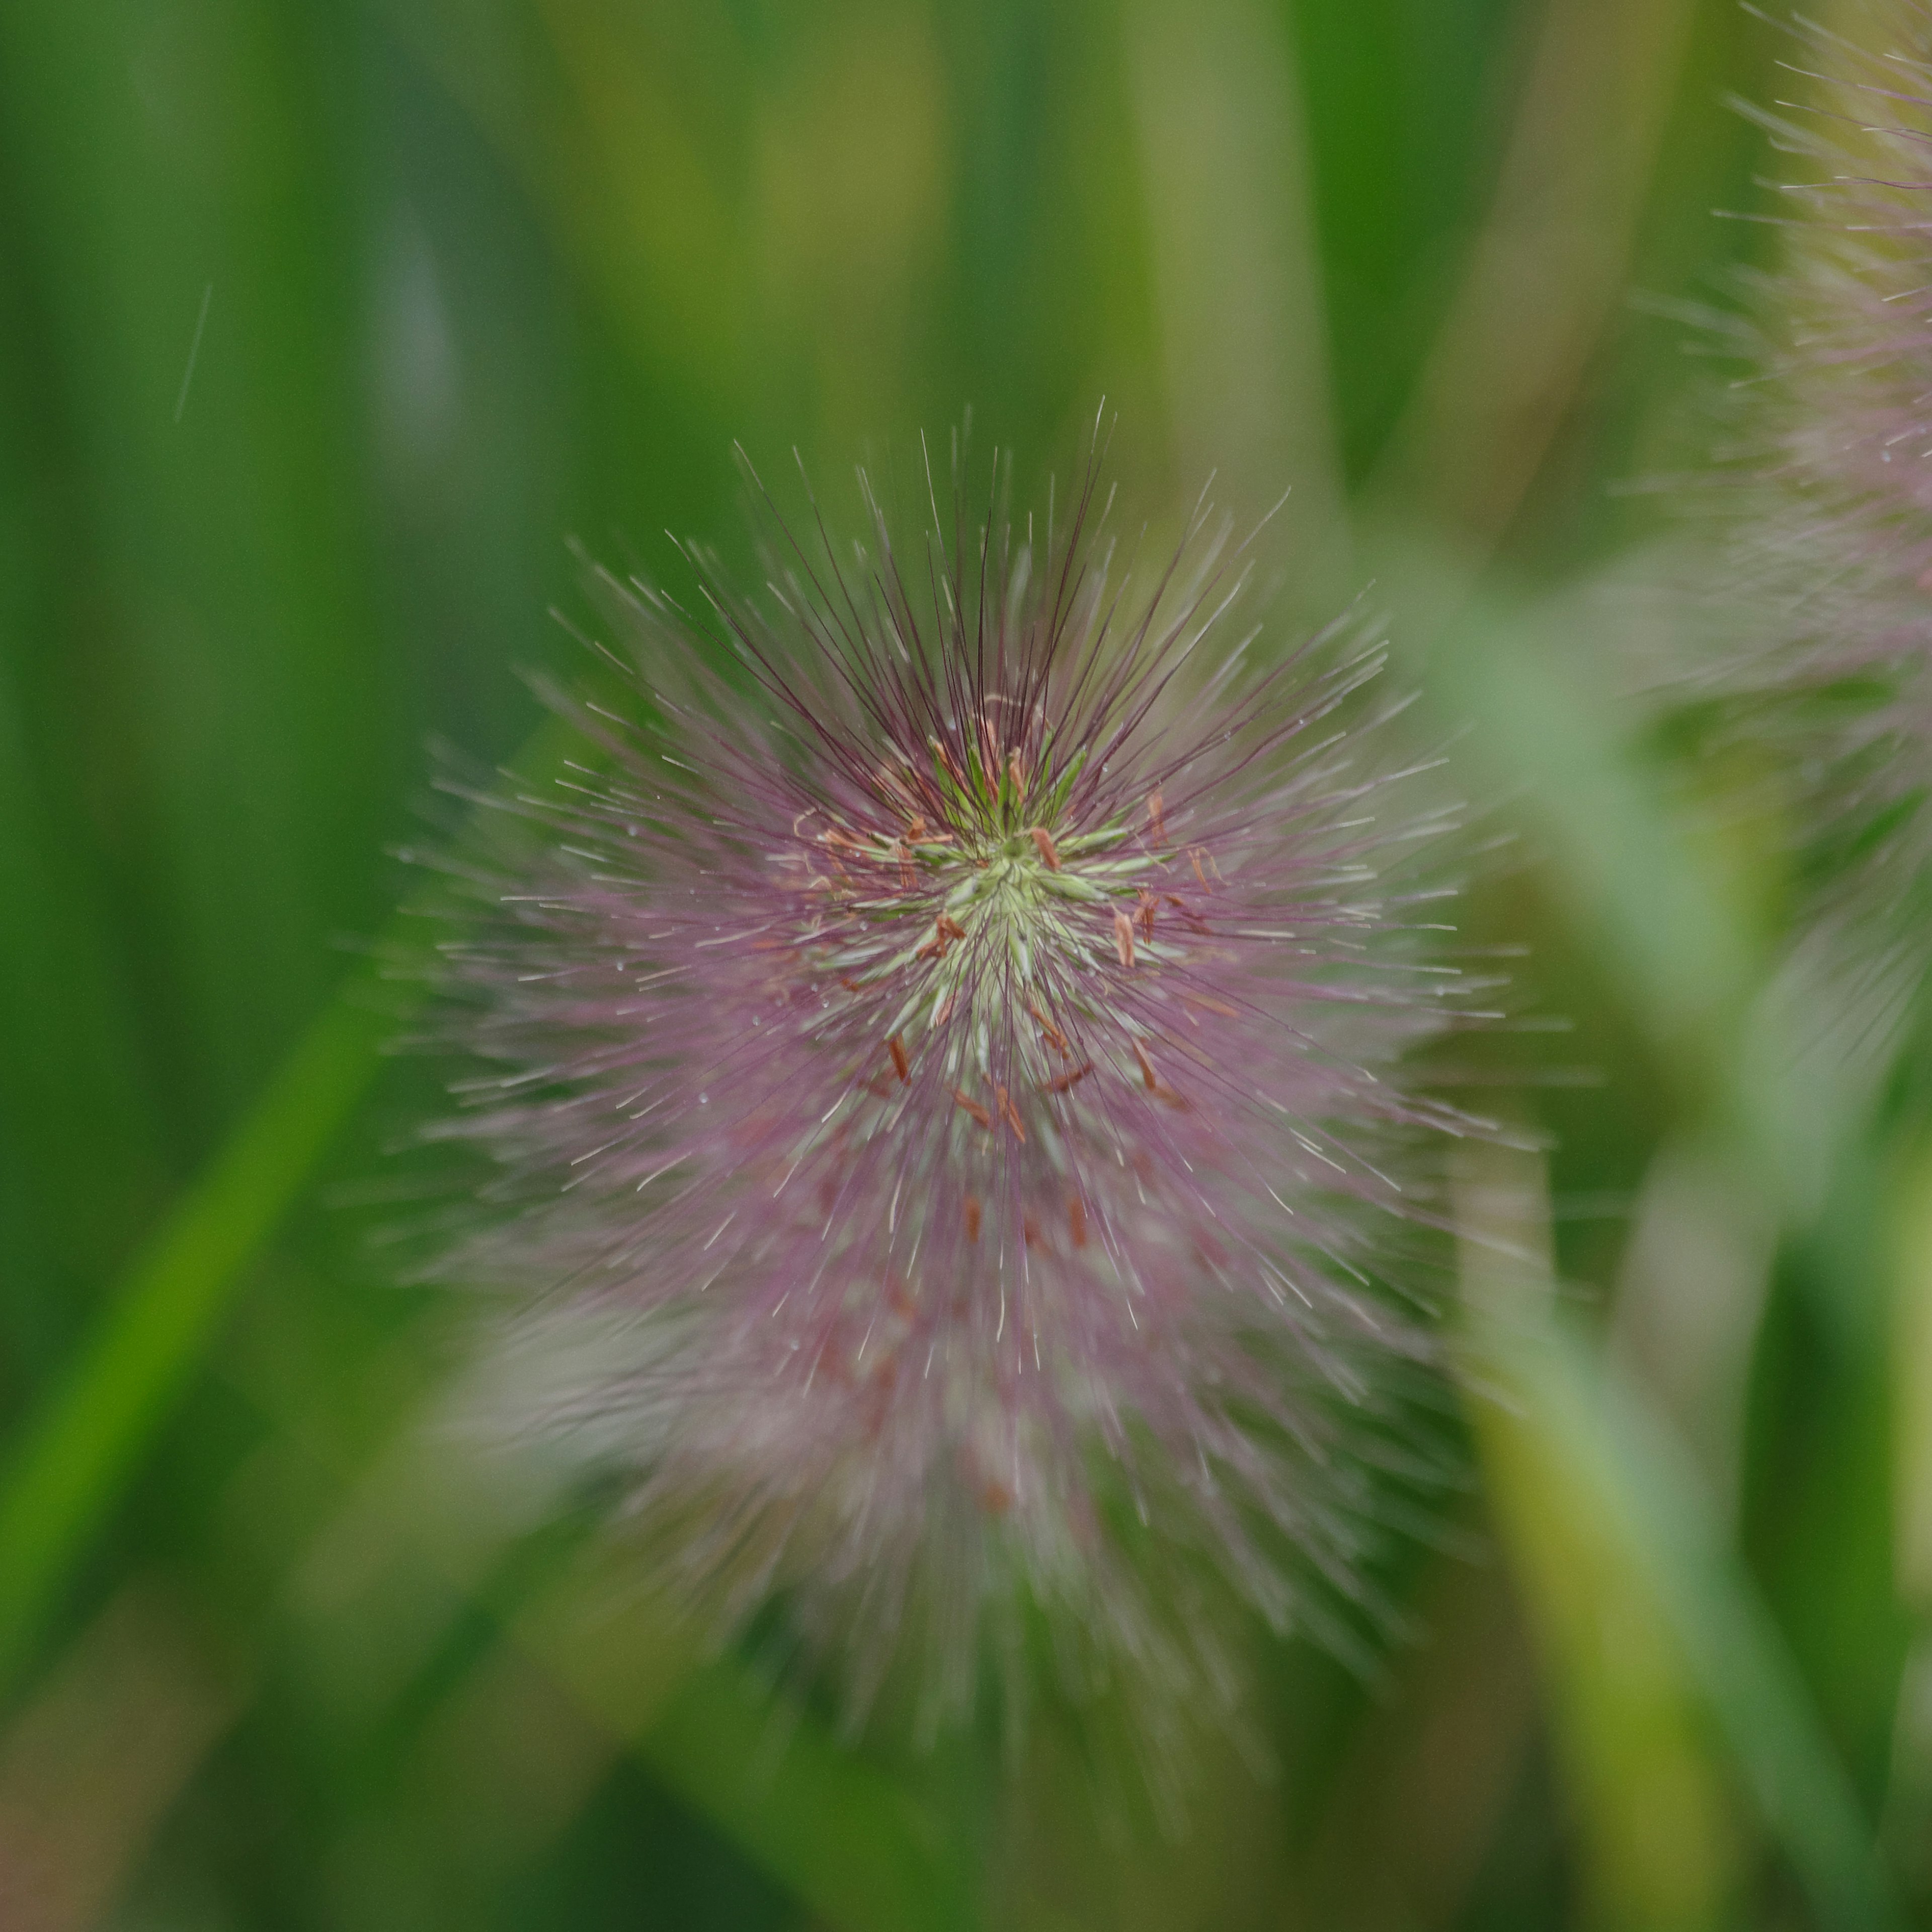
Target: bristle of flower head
{"points": [[951, 1047]]}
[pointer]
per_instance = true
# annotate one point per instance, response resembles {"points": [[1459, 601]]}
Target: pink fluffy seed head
{"points": [[1819, 589], [943, 1052]]}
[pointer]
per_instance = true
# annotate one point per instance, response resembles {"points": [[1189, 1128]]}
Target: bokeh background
{"points": [[323, 331]]}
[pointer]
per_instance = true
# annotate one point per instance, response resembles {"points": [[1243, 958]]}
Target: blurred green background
{"points": [[322, 329]]}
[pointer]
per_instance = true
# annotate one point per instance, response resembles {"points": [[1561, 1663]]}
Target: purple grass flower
{"points": [[1822, 597], [943, 1052]]}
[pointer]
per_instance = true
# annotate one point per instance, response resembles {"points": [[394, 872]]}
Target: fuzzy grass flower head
{"points": [[944, 1052], [1822, 591]]}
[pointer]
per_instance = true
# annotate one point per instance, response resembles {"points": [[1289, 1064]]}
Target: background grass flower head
{"points": [[1822, 595], [950, 1056]]}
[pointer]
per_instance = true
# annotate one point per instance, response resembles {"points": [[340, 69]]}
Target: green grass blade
{"points": [[1586, 1474], [861, 1851], [75, 1456], [72, 1460]]}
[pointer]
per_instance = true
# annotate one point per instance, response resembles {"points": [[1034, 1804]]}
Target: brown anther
{"points": [[1147, 905], [851, 985], [1157, 817], [1016, 776], [973, 1217], [1076, 1220], [1148, 1073], [1054, 1037], [915, 828], [945, 930], [879, 1087], [945, 1012], [971, 1106], [1062, 1083], [1049, 852], [1030, 1231], [948, 762], [995, 1498], [1123, 937], [896, 1046], [1010, 1114]]}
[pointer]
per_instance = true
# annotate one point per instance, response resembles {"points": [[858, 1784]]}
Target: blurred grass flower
{"points": [[1824, 606], [941, 1087]]}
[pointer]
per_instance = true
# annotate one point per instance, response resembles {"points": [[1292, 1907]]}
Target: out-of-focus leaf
{"points": [[1548, 267], [1537, 725], [1616, 1547], [858, 1848], [89, 1769], [75, 1456], [1237, 269]]}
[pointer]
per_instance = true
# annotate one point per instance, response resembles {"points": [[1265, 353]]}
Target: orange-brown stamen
{"points": [[1123, 937], [1010, 1114], [948, 762], [1054, 1038], [1049, 852], [896, 1046], [971, 1106], [945, 930], [1076, 1219], [973, 1217]]}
